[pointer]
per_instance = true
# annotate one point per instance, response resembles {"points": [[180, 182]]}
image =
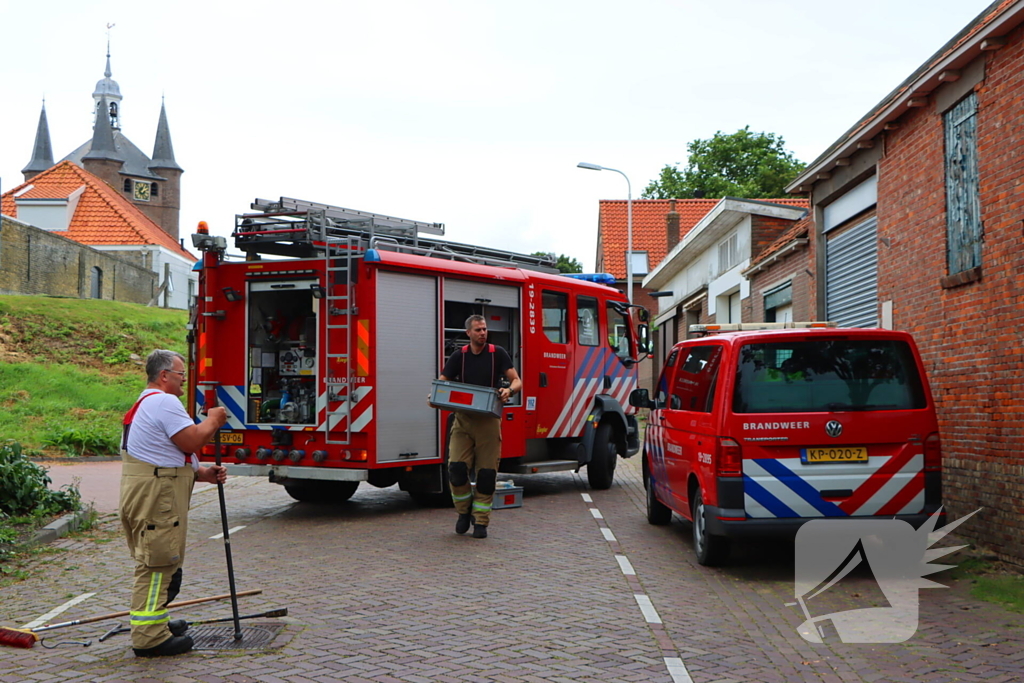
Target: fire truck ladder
{"points": [[324, 222], [341, 255]]}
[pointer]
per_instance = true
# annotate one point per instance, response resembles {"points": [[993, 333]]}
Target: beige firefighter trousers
{"points": [[476, 441], [154, 513]]}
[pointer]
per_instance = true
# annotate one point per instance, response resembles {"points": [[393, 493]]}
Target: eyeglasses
{"points": [[177, 372]]}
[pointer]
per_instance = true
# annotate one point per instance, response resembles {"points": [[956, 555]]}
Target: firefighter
{"points": [[475, 441], [157, 473]]}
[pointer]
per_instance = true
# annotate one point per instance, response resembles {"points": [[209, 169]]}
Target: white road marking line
{"points": [[608, 535], [230, 531], [597, 513], [647, 607], [46, 618], [587, 498], [625, 566], [677, 670]]}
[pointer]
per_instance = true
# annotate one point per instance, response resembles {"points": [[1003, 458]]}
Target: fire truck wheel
{"points": [[711, 550], [601, 468], [321, 491], [657, 512]]}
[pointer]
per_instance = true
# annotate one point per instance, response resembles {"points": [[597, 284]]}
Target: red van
{"points": [[756, 431]]}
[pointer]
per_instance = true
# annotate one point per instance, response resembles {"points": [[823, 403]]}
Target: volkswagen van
{"points": [[753, 432]]}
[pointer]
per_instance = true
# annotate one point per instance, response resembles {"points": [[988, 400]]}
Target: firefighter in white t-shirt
{"points": [[158, 470]]}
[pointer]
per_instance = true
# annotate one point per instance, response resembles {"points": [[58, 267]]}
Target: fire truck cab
{"points": [[322, 340]]}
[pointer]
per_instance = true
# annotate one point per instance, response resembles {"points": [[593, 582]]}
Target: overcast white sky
{"points": [[472, 113]]}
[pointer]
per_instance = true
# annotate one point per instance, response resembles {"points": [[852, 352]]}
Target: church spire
{"points": [[163, 151], [42, 151], [103, 146], [108, 89]]}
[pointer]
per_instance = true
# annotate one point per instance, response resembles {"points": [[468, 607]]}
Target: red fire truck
{"points": [[323, 339]]}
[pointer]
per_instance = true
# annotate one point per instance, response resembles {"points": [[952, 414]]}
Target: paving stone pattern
{"points": [[380, 590]]}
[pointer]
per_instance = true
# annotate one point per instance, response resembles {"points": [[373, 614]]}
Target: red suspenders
{"points": [[130, 416], [490, 350]]}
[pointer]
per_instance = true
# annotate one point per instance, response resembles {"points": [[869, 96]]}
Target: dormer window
{"points": [[128, 185], [153, 191]]}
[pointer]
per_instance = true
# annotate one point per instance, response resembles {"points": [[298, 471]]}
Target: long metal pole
{"points": [[629, 236], [227, 542], [629, 222]]}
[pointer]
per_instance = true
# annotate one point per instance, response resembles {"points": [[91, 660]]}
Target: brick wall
{"points": [[34, 261], [969, 335], [798, 267]]}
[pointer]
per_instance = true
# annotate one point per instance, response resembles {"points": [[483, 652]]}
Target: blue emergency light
{"points": [[599, 278]]}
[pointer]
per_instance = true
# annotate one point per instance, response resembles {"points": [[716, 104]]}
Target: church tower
{"points": [[151, 184]]}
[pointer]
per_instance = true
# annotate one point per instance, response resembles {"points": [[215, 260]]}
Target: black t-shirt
{"points": [[484, 369]]}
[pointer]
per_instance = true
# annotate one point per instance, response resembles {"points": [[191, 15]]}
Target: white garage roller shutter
{"points": [[851, 276]]}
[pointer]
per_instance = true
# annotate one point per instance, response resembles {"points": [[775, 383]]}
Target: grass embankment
{"points": [[70, 368]]}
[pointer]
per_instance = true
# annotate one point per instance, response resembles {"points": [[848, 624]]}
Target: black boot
{"points": [[177, 626], [175, 645], [462, 524], [479, 530]]}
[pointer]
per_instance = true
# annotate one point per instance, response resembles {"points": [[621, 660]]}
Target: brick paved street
{"points": [[380, 590]]}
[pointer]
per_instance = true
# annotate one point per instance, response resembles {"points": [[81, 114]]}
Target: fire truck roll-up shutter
{"points": [[406, 353], [478, 292], [851, 276]]}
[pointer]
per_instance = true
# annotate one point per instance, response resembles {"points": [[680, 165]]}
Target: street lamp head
{"points": [[592, 167]]}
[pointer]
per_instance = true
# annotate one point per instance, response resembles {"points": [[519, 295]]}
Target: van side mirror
{"points": [[643, 316], [639, 398]]}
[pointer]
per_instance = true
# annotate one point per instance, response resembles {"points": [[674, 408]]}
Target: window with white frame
{"points": [[729, 253]]}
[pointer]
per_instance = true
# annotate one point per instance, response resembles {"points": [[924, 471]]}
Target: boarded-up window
{"points": [[963, 207]]}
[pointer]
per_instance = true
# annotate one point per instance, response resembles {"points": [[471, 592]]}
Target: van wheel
{"points": [[657, 512], [711, 550], [601, 469], [312, 491]]}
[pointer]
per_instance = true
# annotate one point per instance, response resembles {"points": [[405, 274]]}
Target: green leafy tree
{"points": [[742, 164], [565, 264]]}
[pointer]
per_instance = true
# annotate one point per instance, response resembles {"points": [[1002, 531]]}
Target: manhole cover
{"points": [[254, 637]]}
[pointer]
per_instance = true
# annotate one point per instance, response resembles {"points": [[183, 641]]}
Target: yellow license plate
{"points": [[231, 437], [834, 454]]}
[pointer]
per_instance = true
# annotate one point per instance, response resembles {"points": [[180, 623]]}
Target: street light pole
{"points": [[629, 222]]}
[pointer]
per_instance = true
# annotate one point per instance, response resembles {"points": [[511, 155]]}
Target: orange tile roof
{"points": [[102, 217], [650, 232]]}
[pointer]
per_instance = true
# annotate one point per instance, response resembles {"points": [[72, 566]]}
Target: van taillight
{"points": [[932, 453], [729, 462]]}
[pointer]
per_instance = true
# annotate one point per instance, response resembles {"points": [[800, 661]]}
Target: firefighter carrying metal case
{"points": [[467, 398]]}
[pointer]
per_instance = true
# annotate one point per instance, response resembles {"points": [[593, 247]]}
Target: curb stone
{"points": [[60, 528], [76, 460]]}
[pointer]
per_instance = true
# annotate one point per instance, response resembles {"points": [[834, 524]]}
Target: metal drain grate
{"points": [[254, 637]]}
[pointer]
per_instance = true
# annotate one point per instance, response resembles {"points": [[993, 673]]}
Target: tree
{"points": [[743, 164], [565, 264]]}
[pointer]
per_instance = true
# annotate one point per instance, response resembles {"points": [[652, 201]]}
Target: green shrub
{"points": [[82, 440], [24, 487]]}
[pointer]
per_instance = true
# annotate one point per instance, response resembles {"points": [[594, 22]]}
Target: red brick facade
{"points": [[968, 324], [971, 334]]}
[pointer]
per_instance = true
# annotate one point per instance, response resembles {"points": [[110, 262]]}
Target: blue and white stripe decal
{"points": [[787, 487]]}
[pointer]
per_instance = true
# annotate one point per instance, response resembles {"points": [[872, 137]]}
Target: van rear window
{"points": [[826, 375]]}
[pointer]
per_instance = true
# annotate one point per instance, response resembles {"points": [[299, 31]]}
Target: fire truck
{"points": [[322, 338]]}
